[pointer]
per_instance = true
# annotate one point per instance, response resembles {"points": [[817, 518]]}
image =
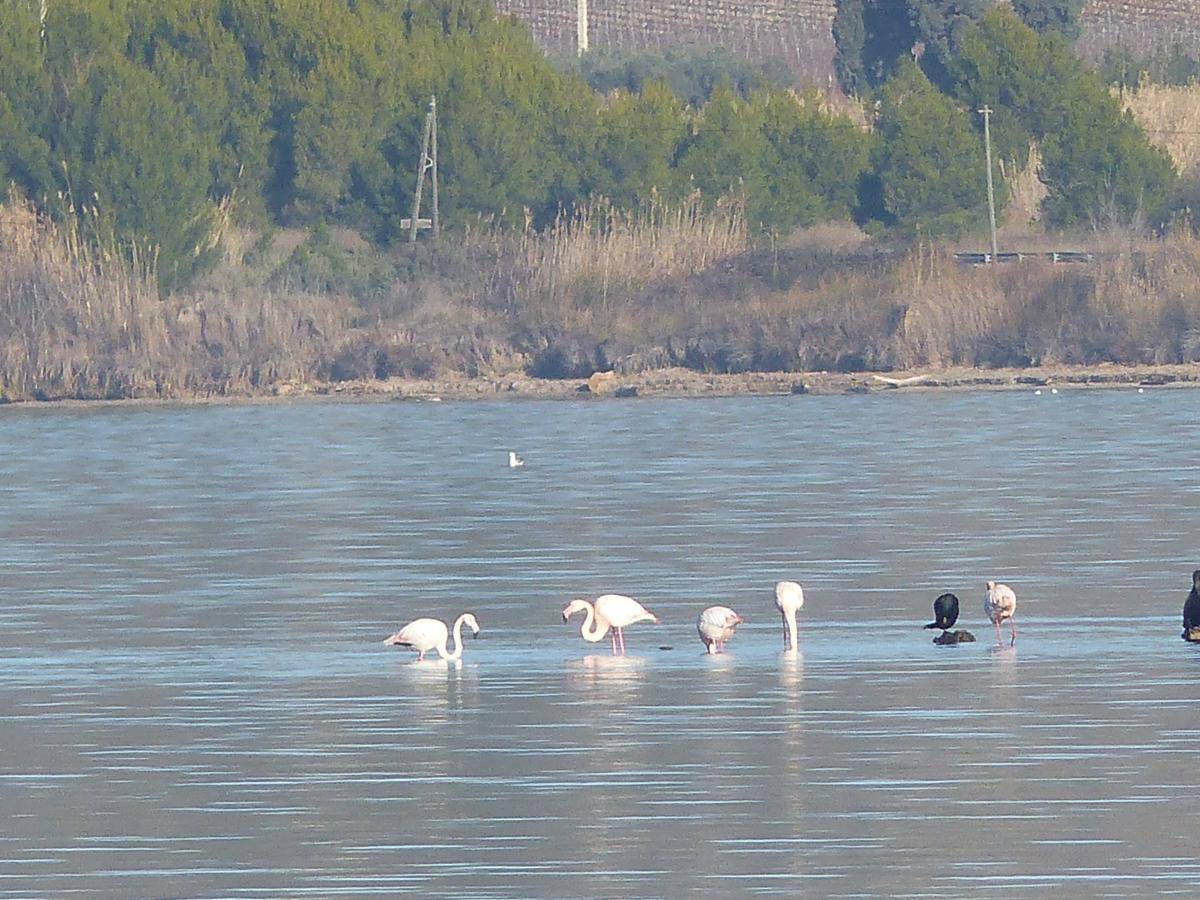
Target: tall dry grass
{"points": [[75, 317], [1171, 116], [920, 310], [597, 256], [664, 286], [81, 318]]}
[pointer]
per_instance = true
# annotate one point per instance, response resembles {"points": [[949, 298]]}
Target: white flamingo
{"points": [[1000, 603], [789, 597], [615, 611], [716, 626], [424, 635]]}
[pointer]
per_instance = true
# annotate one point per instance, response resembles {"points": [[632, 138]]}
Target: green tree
{"points": [[928, 159], [205, 69], [939, 26], [874, 37], [1061, 16], [1096, 162], [815, 160], [1099, 168], [849, 38], [728, 154], [25, 104], [639, 137], [146, 168], [690, 73]]}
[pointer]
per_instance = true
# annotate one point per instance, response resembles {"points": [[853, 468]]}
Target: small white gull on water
{"points": [[514, 461]]}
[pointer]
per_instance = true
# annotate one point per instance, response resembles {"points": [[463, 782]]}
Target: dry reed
{"points": [[1171, 116], [665, 286], [83, 318]]}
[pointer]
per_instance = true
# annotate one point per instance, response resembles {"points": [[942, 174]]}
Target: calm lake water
{"points": [[195, 699]]}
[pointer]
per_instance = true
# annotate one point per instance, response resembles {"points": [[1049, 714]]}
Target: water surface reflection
{"points": [[195, 700]]}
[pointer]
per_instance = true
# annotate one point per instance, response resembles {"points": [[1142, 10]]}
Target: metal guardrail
{"points": [[1058, 256]]}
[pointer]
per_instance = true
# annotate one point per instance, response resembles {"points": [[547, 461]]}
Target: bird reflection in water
{"points": [[1004, 678], [436, 685], [615, 679], [791, 670]]}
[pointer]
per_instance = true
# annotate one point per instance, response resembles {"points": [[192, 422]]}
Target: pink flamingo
{"points": [[1000, 603], [789, 597], [615, 611], [424, 635], [716, 626]]}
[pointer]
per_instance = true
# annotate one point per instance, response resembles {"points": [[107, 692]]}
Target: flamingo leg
{"points": [[1013, 623], [999, 641], [420, 655], [613, 635], [621, 640], [785, 631]]}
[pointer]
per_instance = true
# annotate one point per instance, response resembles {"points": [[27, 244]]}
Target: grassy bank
{"points": [[665, 287]]}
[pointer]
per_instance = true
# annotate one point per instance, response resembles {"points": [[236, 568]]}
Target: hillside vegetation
{"points": [[207, 197], [580, 297]]}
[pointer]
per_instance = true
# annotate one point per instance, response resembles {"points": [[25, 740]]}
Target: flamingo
{"points": [[615, 611], [514, 461], [1000, 603], [716, 626], [1191, 608], [424, 635], [789, 597], [945, 612]]}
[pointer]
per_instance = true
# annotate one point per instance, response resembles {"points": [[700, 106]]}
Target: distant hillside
{"points": [[1139, 25], [798, 32], [794, 31]]}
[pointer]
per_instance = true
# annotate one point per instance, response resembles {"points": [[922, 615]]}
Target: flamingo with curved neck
{"points": [[615, 611], [593, 629], [424, 635]]}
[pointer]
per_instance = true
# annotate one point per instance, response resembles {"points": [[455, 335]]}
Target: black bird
{"points": [[945, 612], [1191, 607]]}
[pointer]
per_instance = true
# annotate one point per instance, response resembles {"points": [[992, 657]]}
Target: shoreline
{"points": [[675, 384]]}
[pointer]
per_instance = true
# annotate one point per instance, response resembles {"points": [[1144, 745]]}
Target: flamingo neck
{"points": [[458, 644], [591, 630], [789, 617]]}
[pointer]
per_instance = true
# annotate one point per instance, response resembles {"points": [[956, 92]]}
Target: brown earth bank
{"points": [[686, 383], [682, 383]]}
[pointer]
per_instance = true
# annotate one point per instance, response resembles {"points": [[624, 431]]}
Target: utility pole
{"points": [[986, 112], [433, 218], [428, 162], [581, 27]]}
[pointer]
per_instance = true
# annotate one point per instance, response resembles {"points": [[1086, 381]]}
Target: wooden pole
{"points": [[987, 143], [421, 167], [433, 163]]}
